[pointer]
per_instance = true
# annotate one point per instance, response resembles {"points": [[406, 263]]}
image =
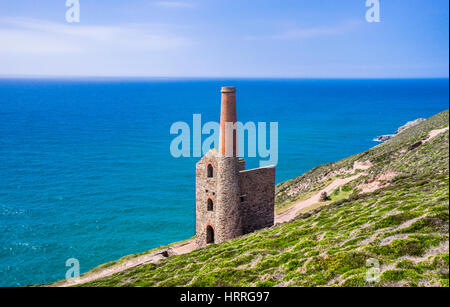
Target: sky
{"points": [[225, 38]]}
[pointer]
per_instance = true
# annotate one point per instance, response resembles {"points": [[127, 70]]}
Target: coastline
{"points": [[329, 183], [63, 170]]}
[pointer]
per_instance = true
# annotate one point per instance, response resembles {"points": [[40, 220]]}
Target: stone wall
{"points": [[257, 198], [243, 201], [205, 188], [241, 164], [223, 190], [228, 215]]}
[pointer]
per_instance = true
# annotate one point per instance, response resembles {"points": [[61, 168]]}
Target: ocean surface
{"points": [[86, 170]]}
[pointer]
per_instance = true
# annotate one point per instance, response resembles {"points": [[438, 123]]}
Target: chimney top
{"points": [[228, 138], [228, 89]]}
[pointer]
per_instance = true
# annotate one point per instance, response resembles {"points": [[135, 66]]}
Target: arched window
{"points": [[210, 205], [210, 171], [209, 235]]}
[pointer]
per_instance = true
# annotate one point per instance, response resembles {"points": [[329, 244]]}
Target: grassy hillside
{"points": [[404, 226]]}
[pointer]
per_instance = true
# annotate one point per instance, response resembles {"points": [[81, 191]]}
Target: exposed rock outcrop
{"points": [[323, 196], [386, 137]]}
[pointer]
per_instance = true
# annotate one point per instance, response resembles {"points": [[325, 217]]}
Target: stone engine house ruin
{"points": [[231, 201]]}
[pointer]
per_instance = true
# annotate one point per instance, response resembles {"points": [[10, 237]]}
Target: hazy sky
{"points": [[225, 38]]}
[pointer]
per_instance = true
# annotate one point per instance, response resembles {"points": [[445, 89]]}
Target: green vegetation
{"points": [[404, 226], [340, 193]]}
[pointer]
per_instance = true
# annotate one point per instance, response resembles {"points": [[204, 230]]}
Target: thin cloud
{"points": [[29, 36], [306, 33], [173, 4]]}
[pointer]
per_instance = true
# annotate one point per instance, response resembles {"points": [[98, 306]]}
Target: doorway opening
{"points": [[209, 235]]}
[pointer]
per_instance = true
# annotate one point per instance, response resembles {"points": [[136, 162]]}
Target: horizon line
{"points": [[43, 76]]}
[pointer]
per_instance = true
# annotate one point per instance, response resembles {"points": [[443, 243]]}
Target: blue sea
{"points": [[86, 170]]}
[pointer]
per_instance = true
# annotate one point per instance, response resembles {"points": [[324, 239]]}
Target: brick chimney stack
{"points": [[228, 137]]}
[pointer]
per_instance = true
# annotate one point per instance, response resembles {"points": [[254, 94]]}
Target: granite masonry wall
{"points": [[257, 198], [229, 213], [242, 200], [205, 189]]}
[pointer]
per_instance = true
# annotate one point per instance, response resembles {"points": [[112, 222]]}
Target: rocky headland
{"points": [[386, 137]]}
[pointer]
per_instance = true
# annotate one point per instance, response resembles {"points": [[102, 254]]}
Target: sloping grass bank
{"points": [[403, 227]]}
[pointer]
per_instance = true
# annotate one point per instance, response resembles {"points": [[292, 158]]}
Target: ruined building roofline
{"points": [[254, 169]]}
